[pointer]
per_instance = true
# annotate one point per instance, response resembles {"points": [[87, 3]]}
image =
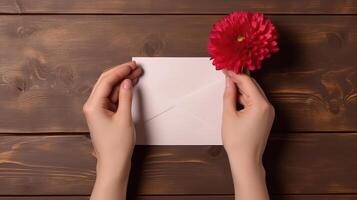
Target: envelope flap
{"points": [[168, 79], [205, 104]]}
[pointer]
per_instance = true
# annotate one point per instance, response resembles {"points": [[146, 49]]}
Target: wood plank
{"points": [[45, 198], [231, 197], [296, 164], [203, 197], [9, 6], [180, 6], [315, 197], [49, 63]]}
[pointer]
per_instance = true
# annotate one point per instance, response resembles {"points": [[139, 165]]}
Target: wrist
{"points": [[249, 178], [111, 181], [245, 157], [246, 164], [244, 173], [114, 172]]}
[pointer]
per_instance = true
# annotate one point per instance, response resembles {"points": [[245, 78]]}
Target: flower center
{"points": [[240, 38]]}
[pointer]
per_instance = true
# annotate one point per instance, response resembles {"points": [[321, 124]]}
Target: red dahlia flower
{"points": [[242, 39]]}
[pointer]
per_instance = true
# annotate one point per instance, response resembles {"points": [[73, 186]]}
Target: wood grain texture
{"points": [[315, 197], [45, 198], [296, 164], [179, 6], [231, 197], [49, 63], [9, 6], [200, 197]]}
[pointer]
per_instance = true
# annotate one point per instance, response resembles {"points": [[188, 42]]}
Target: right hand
{"points": [[245, 132]]}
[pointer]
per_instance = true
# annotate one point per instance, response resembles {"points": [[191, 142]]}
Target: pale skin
{"points": [[244, 132]]}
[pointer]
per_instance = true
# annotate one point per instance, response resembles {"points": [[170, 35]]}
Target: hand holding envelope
{"points": [[178, 101]]}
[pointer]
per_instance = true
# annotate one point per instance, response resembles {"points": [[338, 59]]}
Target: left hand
{"points": [[108, 114]]}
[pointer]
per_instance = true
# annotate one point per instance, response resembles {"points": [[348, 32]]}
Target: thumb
{"points": [[229, 97], [125, 100]]}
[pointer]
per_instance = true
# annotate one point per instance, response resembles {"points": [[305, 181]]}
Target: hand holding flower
{"points": [[245, 133]]}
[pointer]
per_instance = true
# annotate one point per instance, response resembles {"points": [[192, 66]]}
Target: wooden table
{"points": [[52, 51]]}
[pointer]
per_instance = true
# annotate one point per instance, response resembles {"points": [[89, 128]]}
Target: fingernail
{"points": [[133, 65], [127, 84]]}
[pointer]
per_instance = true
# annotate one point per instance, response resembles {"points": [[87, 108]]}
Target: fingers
{"points": [[229, 97], [246, 87], [104, 86], [125, 101], [133, 76]]}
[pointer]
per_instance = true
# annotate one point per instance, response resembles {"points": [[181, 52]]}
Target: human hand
{"points": [[245, 132], [108, 115]]}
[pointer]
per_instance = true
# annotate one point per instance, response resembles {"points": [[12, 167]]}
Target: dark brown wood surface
{"points": [[52, 51], [200, 197], [178, 6], [50, 63], [296, 164], [45, 198]]}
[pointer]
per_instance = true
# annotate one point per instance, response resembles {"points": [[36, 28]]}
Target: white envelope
{"points": [[178, 101]]}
